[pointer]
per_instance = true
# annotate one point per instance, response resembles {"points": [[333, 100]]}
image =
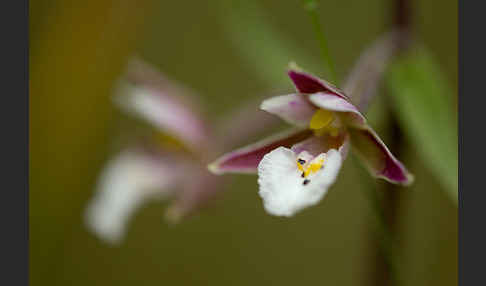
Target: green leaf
{"points": [[423, 101], [264, 50]]}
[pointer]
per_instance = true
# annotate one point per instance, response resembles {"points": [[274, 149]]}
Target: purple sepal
{"points": [[246, 159], [379, 161], [306, 83]]}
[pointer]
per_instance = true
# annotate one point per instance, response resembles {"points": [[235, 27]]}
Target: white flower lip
{"points": [[283, 189]]}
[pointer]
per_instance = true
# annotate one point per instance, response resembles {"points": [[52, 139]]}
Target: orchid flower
{"points": [[295, 168], [151, 171]]}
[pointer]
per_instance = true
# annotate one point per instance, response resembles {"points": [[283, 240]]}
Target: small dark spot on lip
{"points": [[305, 182], [301, 161]]}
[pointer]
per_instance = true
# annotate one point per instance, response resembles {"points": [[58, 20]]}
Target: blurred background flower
{"points": [[168, 161], [233, 53]]}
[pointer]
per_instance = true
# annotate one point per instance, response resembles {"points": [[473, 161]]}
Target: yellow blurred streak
{"points": [[168, 142], [77, 49]]}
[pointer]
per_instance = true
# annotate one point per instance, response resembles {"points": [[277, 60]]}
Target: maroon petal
{"points": [[379, 161], [246, 159], [306, 83]]}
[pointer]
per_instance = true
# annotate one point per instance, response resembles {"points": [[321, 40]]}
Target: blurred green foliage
{"points": [[263, 49], [424, 102], [78, 49]]}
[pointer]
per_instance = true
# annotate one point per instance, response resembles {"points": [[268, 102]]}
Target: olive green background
{"points": [[77, 50]]}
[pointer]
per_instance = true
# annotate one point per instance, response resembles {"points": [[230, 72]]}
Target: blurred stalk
{"points": [[311, 8], [385, 257], [385, 202]]}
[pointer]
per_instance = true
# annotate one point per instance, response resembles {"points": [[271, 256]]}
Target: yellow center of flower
{"points": [[321, 119], [310, 168], [321, 123]]}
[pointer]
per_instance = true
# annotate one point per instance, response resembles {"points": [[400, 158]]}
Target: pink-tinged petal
{"points": [[292, 108], [148, 94], [307, 83], [246, 159], [316, 145], [379, 161], [331, 102]]}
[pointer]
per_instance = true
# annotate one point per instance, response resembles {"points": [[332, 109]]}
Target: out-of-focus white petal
{"points": [[282, 186], [124, 185]]}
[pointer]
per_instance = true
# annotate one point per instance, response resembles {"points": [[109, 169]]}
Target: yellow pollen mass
{"points": [[300, 167], [313, 167], [320, 119]]}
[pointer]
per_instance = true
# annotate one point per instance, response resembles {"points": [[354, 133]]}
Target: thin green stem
{"points": [[311, 8]]}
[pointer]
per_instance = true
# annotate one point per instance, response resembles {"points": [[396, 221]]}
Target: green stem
{"points": [[311, 7]]}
